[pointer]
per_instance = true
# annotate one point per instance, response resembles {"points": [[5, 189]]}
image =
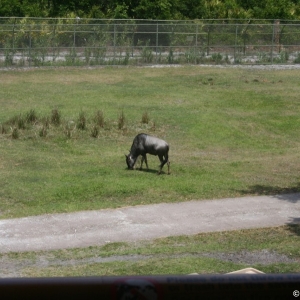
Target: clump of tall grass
{"points": [[45, 126], [15, 133], [33, 125], [43, 132], [17, 121], [99, 118], [81, 122], [68, 128], [3, 129], [31, 117], [145, 118], [46, 122], [121, 120], [55, 117], [153, 127], [20, 120], [95, 131]]}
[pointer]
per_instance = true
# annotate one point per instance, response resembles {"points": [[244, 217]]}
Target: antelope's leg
{"points": [[162, 162], [142, 162], [146, 161]]}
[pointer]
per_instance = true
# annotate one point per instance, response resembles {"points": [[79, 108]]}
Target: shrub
{"points": [[147, 55], [217, 57], [297, 59]]}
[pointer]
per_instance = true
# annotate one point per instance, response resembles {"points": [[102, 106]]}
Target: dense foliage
{"points": [[152, 9]]}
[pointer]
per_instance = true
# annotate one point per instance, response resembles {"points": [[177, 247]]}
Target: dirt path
{"points": [[87, 228]]}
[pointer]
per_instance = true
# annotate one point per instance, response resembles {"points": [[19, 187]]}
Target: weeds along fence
{"points": [[51, 42]]}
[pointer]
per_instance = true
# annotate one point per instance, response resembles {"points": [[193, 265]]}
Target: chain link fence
{"points": [[53, 42]]}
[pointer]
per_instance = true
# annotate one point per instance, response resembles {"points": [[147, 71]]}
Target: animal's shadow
{"points": [[153, 171]]}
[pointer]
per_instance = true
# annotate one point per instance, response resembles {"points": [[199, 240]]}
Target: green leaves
{"points": [[157, 9]]}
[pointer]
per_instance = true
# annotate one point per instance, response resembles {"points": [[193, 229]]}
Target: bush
{"points": [[217, 57], [297, 59]]}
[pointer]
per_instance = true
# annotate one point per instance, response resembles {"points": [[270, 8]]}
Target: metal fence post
{"points": [[235, 43], [53, 52], [74, 36], [208, 40], [196, 43], [29, 54], [272, 44], [13, 41], [73, 55], [156, 48], [114, 43]]}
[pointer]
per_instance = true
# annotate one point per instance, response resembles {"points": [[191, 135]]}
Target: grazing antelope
{"points": [[143, 144]]}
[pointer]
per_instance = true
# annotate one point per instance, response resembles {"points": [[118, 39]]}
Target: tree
{"points": [[153, 9], [10, 8]]}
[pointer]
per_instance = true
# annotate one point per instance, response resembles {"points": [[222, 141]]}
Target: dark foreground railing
{"points": [[239, 286]]}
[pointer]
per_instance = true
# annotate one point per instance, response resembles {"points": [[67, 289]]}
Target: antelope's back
{"points": [[154, 144]]}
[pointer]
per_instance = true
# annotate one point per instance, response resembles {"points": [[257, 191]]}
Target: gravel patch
{"points": [[223, 66], [254, 67]]}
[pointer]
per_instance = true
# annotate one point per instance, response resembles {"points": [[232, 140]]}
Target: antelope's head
{"points": [[130, 161]]}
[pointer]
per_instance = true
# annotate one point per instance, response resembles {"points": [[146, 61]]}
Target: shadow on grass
{"points": [[294, 226], [147, 171], [283, 193]]}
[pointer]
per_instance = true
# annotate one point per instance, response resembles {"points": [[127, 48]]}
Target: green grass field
{"points": [[231, 132]]}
